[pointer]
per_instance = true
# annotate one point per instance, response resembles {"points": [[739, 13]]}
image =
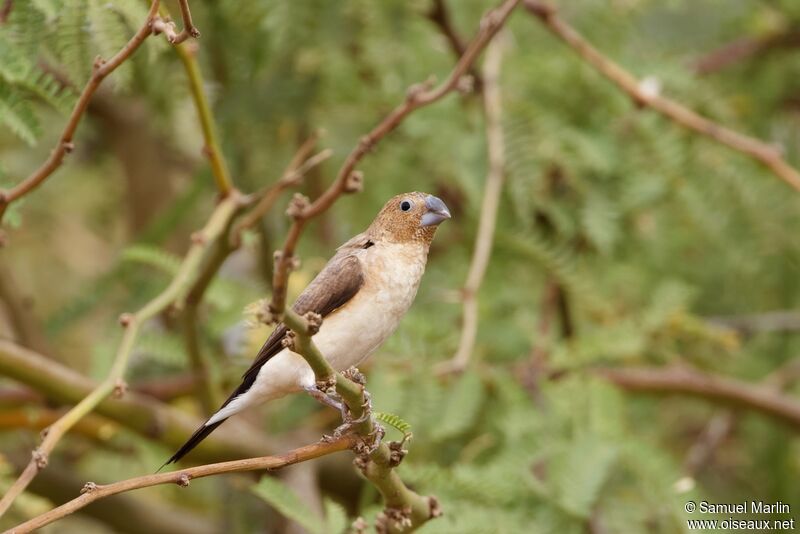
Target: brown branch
{"points": [[100, 70], [167, 27], [484, 239], [347, 180], [5, 11], [769, 155], [92, 492], [293, 175], [439, 14], [688, 381], [745, 48], [124, 513]]}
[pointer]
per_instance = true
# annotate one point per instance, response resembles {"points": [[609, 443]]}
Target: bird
{"points": [[362, 293]]}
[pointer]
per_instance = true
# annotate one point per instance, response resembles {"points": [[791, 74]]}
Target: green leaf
{"points": [[154, 257], [579, 472], [336, 520], [394, 421], [18, 115], [288, 504], [463, 403]]}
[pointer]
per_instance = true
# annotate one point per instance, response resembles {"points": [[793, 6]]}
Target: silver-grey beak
{"points": [[436, 211]]}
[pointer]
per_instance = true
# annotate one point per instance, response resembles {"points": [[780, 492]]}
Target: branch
{"points": [[488, 218], [300, 164], [126, 513], [211, 149], [689, 381], [767, 154], [439, 14], [167, 27], [175, 296], [347, 179], [744, 48], [92, 492], [100, 70], [404, 510]]}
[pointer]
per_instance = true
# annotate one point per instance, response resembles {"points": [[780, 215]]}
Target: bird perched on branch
{"points": [[362, 293]]}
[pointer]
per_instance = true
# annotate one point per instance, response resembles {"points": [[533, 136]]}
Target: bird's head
{"points": [[409, 217]]}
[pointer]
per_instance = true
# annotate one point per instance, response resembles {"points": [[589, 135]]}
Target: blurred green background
{"points": [[621, 240]]}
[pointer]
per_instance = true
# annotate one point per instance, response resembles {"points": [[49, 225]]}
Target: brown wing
{"points": [[338, 281]]}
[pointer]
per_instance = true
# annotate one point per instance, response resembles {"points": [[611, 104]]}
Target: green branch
{"points": [[405, 510]]}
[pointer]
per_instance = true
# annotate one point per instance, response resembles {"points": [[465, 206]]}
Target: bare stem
{"points": [[769, 155], [211, 149], [489, 206], [93, 492], [688, 381]]}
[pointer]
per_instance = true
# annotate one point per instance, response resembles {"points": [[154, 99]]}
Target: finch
{"points": [[362, 293]]}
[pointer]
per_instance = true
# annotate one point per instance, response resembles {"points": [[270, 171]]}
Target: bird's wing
{"points": [[336, 284]]}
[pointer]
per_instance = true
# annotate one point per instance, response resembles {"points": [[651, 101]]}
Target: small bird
{"points": [[362, 293]]}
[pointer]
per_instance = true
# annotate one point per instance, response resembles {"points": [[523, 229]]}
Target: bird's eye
{"points": [[405, 205]]}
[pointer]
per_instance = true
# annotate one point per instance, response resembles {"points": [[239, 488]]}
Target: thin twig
{"points": [[189, 29], [92, 492], [173, 296], [211, 150], [482, 251], [5, 11], [100, 70], [744, 48], [348, 181], [688, 381], [292, 176], [767, 154], [439, 14]]}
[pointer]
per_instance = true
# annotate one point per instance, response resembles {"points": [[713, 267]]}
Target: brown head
{"points": [[409, 217]]}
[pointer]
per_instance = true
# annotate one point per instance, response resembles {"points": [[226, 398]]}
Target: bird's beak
{"points": [[435, 211]]}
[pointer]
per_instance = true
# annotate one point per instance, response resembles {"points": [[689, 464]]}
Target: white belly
{"points": [[350, 334]]}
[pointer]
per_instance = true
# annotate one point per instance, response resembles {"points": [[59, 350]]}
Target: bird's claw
{"points": [[328, 399]]}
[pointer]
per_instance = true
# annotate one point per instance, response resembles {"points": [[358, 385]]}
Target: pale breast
{"points": [[392, 277]]}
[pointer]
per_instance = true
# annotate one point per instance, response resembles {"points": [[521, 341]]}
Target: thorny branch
{"points": [[769, 155], [92, 492], [490, 203], [100, 70]]}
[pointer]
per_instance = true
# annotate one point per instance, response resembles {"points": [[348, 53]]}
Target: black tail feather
{"points": [[199, 435], [202, 433]]}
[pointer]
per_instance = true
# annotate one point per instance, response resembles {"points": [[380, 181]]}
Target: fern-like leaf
{"points": [[285, 501], [395, 422]]}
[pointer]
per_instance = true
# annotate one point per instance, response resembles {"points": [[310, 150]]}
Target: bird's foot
{"points": [[327, 398]]}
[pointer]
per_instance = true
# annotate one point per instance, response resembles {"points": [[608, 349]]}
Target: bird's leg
{"points": [[327, 398], [349, 422]]}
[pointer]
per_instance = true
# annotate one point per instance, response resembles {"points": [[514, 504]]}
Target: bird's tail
{"points": [[199, 435], [207, 428]]}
